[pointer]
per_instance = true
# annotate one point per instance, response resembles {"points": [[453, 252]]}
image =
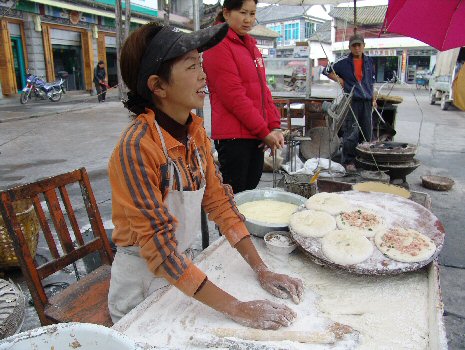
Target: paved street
{"points": [[38, 140]]}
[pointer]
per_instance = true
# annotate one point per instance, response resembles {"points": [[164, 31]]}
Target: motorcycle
{"points": [[40, 89]]}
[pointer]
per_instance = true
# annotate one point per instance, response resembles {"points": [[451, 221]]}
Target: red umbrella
{"points": [[438, 23]]}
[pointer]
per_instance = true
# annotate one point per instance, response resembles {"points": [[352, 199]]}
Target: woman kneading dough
{"points": [[161, 174]]}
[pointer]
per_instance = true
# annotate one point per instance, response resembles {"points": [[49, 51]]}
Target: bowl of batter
{"points": [[267, 209]]}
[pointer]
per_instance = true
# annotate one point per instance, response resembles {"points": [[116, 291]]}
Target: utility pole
{"points": [[199, 112], [196, 16], [166, 16], [119, 43], [127, 19]]}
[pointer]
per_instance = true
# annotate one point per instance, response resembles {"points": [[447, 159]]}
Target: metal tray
{"points": [[397, 211]]}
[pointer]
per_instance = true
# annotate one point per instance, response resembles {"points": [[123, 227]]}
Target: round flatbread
{"points": [[361, 220], [346, 247], [331, 203], [312, 223], [405, 245]]}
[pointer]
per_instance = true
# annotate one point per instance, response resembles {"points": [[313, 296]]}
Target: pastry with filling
{"points": [[405, 245], [361, 220]]}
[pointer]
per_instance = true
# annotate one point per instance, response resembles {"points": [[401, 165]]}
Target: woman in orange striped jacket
{"points": [[162, 173]]}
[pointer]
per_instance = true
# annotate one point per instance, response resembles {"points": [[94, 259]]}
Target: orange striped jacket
{"points": [[139, 179]]}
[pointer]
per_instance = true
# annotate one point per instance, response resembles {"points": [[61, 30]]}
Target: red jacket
{"points": [[241, 102]]}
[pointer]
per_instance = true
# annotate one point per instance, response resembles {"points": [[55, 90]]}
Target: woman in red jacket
{"points": [[244, 118]]}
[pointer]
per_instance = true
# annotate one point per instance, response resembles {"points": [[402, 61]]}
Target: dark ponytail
{"points": [[230, 5], [136, 103]]}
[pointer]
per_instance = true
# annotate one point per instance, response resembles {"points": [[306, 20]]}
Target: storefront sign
{"points": [[382, 52]]}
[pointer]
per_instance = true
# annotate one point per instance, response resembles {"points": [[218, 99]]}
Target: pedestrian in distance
{"points": [[162, 173], [243, 115], [355, 71], [100, 80]]}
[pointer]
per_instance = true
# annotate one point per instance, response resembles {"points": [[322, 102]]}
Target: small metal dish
{"points": [[280, 242]]}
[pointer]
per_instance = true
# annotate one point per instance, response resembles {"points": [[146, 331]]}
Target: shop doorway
{"points": [[18, 62], [416, 63], [111, 66], [69, 59], [385, 67]]}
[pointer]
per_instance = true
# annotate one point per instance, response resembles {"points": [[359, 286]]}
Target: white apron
{"points": [[131, 281]]}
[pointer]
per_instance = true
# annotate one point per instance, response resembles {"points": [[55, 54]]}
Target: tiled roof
{"points": [[274, 13], [323, 33], [366, 15], [262, 31]]}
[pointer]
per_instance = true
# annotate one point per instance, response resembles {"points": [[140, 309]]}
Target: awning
{"points": [[97, 12]]}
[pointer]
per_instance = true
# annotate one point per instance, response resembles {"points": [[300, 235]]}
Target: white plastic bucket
{"points": [[71, 336]]}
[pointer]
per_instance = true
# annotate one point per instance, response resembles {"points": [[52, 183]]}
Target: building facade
{"points": [[293, 25], [67, 38]]}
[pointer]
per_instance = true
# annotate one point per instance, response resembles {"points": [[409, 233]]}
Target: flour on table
{"points": [[388, 312]]}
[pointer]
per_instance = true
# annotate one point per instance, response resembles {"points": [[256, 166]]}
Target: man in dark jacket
{"points": [[100, 77], [355, 70]]}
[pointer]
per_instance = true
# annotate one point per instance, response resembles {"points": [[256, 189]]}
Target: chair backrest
{"points": [[63, 249]]}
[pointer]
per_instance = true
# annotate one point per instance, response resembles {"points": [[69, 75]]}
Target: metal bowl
{"points": [[259, 228], [278, 247]]}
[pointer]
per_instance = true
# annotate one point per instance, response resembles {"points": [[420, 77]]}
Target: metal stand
{"points": [[292, 151], [204, 229], [274, 167]]}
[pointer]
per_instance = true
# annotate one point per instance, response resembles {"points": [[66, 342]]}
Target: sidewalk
{"points": [[11, 109]]}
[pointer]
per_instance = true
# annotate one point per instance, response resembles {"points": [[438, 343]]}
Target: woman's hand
{"points": [[274, 140], [281, 285], [280, 138], [262, 314]]}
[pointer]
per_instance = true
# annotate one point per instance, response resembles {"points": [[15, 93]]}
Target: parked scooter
{"points": [[40, 89]]}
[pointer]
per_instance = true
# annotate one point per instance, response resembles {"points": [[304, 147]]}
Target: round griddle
{"points": [[394, 170], [396, 211], [395, 152]]}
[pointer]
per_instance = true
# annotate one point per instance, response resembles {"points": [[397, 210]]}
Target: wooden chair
{"points": [[86, 299], [290, 109]]}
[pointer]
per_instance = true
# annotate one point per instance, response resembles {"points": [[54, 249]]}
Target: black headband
{"points": [[170, 43]]}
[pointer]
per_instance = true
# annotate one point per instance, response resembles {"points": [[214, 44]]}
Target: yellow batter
{"points": [[269, 211]]}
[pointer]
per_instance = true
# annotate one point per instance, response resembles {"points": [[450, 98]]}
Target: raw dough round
{"points": [[312, 223], [332, 203], [361, 220], [405, 245], [346, 247]]}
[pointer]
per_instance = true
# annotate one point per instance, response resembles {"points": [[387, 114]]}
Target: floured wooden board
{"points": [[396, 211], [387, 312]]}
